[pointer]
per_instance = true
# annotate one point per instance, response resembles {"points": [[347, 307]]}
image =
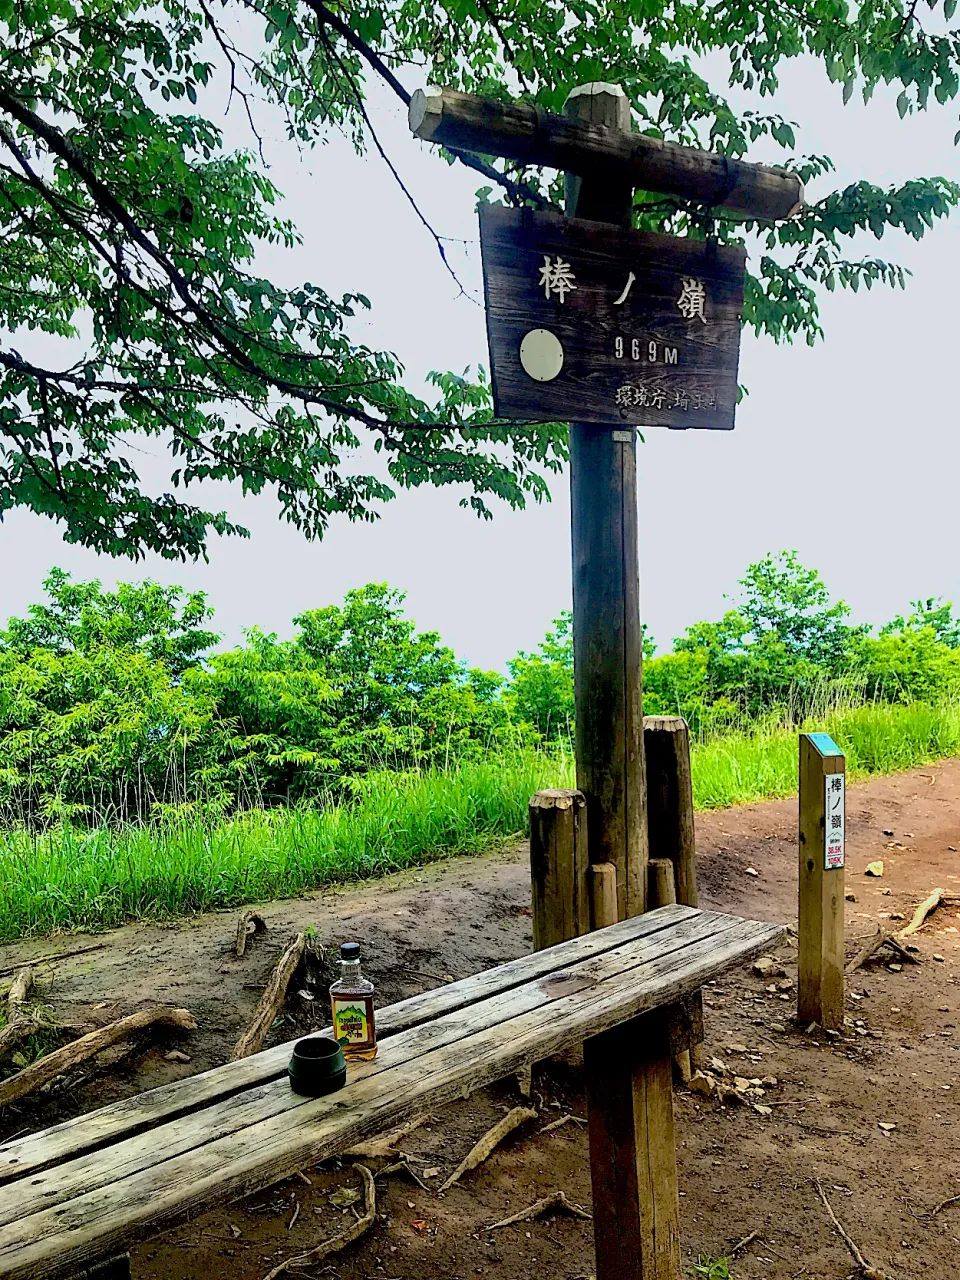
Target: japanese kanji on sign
{"points": [[834, 820], [605, 325]]}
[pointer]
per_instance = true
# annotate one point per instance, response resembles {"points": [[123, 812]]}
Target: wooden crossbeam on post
{"points": [[592, 147], [821, 857]]}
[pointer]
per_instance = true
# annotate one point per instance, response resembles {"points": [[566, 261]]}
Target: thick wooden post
{"points": [[603, 895], [661, 887], [633, 1164], [558, 867], [670, 824], [821, 846], [606, 584]]}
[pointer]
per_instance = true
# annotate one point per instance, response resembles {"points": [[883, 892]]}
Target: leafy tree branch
{"points": [[129, 230]]}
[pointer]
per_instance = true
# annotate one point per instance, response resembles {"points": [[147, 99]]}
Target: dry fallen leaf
{"points": [[344, 1197], [874, 869]]}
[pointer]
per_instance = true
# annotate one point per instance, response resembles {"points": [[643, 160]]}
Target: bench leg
{"points": [[633, 1161], [117, 1268]]}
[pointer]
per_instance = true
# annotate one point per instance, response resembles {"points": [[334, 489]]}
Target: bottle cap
{"points": [[350, 951]]}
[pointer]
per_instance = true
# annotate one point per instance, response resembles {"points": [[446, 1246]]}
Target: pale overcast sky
{"points": [[847, 452]]}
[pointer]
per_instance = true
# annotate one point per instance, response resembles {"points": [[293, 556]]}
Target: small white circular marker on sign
{"points": [[541, 355]]}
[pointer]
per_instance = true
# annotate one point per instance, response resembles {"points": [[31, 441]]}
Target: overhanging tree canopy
{"points": [[126, 225]]}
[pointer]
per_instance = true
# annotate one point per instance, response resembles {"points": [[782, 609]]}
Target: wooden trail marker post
{"points": [[608, 328], [821, 853]]}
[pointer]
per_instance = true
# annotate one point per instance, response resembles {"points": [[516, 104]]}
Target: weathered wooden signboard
{"points": [[599, 324]]}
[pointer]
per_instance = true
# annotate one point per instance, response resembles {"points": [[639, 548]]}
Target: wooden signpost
{"points": [[821, 856], [609, 326]]}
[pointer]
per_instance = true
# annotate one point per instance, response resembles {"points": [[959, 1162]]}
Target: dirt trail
{"points": [[741, 1171]]}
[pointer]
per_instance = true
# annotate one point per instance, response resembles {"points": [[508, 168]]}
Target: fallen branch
{"points": [[335, 1243], [244, 932], [404, 1166], [17, 995], [20, 1025], [53, 956], [930, 903], [14, 1033], [72, 1055], [866, 1270], [558, 1124], [944, 1204], [880, 939], [488, 1143], [271, 1001], [556, 1201], [384, 1145], [742, 1244]]}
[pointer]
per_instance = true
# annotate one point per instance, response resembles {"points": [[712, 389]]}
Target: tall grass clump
{"points": [[742, 766], [94, 877], [71, 877]]}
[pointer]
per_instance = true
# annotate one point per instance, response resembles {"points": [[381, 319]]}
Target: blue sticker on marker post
{"points": [[825, 744]]}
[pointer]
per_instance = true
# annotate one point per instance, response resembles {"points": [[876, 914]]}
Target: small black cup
{"points": [[317, 1067]]}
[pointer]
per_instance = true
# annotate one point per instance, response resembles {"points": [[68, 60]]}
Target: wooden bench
{"points": [[77, 1195]]}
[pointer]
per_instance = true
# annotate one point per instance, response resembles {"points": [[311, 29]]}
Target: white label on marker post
{"points": [[834, 823]]}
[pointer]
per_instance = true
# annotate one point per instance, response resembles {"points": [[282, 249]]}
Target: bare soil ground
{"points": [[740, 1171]]}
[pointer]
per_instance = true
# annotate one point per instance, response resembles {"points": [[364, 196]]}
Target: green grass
{"points": [[740, 767], [72, 878]]}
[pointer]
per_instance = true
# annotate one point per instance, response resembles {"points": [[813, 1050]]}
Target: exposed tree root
{"points": [[930, 903], [335, 1243], [245, 932], [271, 1002], [558, 1200], [867, 1271], [489, 1142], [53, 956], [383, 1146], [20, 1024], [880, 939], [72, 1055], [742, 1244]]}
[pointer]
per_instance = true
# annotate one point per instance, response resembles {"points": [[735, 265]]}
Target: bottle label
{"points": [[350, 1024]]}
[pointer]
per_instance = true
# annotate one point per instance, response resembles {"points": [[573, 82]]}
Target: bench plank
{"points": [[492, 1041], [142, 1111], [105, 1165]]}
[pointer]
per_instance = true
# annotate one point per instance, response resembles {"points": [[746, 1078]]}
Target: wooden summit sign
{"points": [[596, 323]]}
